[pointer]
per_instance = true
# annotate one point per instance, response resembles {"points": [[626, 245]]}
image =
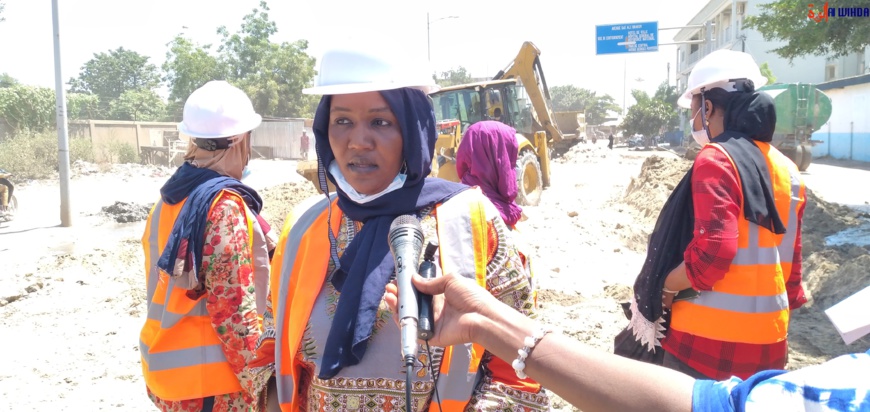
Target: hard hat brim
{"points": [[685, 101], [351, 88], [244, 127]]}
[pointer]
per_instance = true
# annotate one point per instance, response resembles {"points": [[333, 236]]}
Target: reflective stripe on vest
{"points": [[182, 356], [304, 248], [462, 237], [308, 235], [750, 304]]}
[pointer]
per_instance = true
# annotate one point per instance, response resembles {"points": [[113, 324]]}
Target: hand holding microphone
{"points": [[427, 271]]}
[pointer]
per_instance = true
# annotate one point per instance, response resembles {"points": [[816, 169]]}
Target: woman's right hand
{"points": [[459, 306]]}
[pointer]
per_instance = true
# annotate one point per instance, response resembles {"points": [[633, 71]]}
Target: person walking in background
{"points": [[610, 142], [304, 141]]}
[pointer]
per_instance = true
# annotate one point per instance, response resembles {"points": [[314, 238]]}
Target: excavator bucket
{"points": [[308, 170]]}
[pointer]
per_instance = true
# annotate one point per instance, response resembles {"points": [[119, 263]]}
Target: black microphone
{"points": [[406, 244], [427, 271]]}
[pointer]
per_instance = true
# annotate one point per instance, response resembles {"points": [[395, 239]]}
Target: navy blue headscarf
{"points": [[367, 264]]}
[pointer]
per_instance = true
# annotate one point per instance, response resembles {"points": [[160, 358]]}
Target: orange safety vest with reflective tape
{"points": [[182, 355], [304, 249], [750, 304]]}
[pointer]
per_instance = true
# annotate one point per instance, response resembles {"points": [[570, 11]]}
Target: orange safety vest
{"points": [[750, 304], [182, 356], [304, 249]]}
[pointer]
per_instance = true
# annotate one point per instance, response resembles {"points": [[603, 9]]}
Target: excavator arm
{"points": [[526, 68]]}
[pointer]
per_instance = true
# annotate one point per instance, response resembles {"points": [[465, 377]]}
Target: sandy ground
{"points": [[72, 299]]}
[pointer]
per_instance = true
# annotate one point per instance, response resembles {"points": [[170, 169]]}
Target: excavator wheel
{"points": [[806, 158], [529, 184]]}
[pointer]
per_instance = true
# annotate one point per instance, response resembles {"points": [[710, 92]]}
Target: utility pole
{"points": [[62, 136], [624, 77]]}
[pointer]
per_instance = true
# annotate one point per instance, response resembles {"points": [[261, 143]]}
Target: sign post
{"points": [[627, 38]]}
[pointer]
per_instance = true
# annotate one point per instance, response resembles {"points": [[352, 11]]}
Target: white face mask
{"points": [[357, 197], [700, 136], [245, 173]]}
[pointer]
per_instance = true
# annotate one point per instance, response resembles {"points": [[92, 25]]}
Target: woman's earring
{"points": [[404, 170]]}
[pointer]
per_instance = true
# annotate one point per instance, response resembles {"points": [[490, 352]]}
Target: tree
{"points": [[272, 74], [597, 114], [188, 67], [2, 6], [573, 98], [26, 108], [7, 81], [29, 108], [80, 106], [651, 114], [787, 20], [766, 72], [668, 94], [452, 77], [138, 105], [109, 75]]}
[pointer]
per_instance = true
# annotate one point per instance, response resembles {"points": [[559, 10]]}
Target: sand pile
{"points": [[278, 201]]}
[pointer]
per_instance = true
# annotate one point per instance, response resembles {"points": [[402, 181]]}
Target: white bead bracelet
{"points": [[519, 364]]}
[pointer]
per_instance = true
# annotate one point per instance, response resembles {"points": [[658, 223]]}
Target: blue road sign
{"points": [[627, 38]]}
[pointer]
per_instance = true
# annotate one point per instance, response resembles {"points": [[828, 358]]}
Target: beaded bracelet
{"points": [[519, 364]]}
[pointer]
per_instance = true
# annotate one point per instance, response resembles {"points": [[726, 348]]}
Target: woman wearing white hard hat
{"points": [[207, 265], [726, 254], [335, 344]]}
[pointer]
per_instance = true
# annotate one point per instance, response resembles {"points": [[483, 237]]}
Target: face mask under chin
{"points": [[700, 136], [357, 197]]}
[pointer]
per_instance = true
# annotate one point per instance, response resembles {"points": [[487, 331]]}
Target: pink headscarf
{"points": [[487, 157]]}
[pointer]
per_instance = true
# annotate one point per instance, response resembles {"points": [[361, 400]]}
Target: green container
{"points": [[801, 109]]}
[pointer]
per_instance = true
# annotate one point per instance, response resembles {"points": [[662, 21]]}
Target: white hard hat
{"points": [[218, 109], [719, 69], [345, 71]]}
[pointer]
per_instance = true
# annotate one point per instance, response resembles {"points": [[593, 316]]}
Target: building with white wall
{"points": [[727, 32], [846, 135]]}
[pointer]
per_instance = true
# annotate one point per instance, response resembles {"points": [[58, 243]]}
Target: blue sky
{"points": [[483, 38]]}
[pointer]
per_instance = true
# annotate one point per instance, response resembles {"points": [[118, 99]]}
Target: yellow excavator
{"points": [[517, 96]]}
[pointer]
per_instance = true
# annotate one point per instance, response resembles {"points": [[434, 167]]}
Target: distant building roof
{"points": [[844, 82]]}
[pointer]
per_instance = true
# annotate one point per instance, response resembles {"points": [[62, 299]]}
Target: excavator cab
{"points": [[499, 100]]}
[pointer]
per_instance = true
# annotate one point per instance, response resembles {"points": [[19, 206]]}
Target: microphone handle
{"points": [[426, 325]]}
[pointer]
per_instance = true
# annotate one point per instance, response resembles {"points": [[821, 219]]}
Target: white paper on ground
{"points": [[851, 316]]}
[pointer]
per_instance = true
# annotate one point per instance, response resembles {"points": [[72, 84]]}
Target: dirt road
{"points": [[72, 299]]}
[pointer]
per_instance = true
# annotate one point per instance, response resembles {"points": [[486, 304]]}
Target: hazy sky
{"points": [[484, 37]]}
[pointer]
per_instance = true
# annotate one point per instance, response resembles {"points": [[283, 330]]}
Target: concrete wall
{"points": [[105, 133], [846, 135], [282, 138]]}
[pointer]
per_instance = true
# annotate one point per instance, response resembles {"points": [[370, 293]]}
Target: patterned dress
{"points": [[377, 383], [231, 304]]}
